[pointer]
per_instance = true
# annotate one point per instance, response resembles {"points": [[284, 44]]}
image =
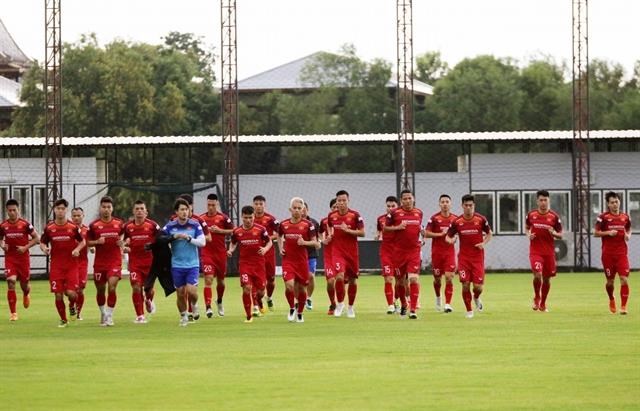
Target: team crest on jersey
{"points": [[240, 234], [416, 214], [100, 227], [609, 219], [53, 230]]}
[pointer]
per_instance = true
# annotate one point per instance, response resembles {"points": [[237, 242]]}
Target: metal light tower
{"points": [[581, 174], [53, 100], [229, 95], [405, 153]]}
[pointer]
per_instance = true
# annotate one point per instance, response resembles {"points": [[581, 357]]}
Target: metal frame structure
{"points": [[53, 100], [581, 169], [405, 153], [229, 93]]}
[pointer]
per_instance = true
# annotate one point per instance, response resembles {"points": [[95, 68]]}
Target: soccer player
{"points": [[614, 227], [214, 254], [271, 224], [105, 234], [474, 232], [386, 253], [327, 259], [406, 224], [254, 243], [186, 236], [139, 234], [443, 254], [17, 236], [62, 240], [77, 217], [542, 227], [313, 258], [295, 234], [345, 226]]}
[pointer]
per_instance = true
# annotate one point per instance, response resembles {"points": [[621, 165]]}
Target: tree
{"points": [[430, 67], [542, 83]]}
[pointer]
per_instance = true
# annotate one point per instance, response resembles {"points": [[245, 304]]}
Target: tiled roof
{"points": [[9, 50]]}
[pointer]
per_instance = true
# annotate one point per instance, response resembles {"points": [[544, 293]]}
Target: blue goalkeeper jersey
{"points": [[183, 253]]}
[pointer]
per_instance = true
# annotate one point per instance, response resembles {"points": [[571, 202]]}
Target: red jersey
{"points": [[84, 253], [16, 235], [439, 224], [291, 231], [470, 233], [386, 247], [139, 235], [621, 223], [108, 255], [271, 224], [62, 238], [409, 238], [249, 242], [539, 224], [343, 243], [217, 244]]}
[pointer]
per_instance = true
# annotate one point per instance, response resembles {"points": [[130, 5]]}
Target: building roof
{"points": [[10, 52], [477, 137], [287, 77], [9, 93]]}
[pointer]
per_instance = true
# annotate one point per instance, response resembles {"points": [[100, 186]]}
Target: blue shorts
{"points": [[184, 276], [313, 262]]}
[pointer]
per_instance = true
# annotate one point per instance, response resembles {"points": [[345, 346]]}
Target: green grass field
{"points": [[578, 356]]}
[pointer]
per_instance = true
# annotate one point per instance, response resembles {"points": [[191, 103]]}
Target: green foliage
{"points": [[430, 67]]}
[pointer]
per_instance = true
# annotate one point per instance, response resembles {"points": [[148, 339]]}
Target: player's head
{"points": [[258, 204], [296, 206], [406, 199], [613, 201], [106, 207], [189, 199], [139, 209], [542, 199], [391, 202], [13, 209], [248, 216], [77, 215], [212, 203], [445, 203], [181, 208], [342, 200], [60, 209], [305, 210], [468, 205]]}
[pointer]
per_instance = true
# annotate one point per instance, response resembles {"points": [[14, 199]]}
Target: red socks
{"points": [[545, 292], [112, 297], [340, 290], [12, 298], [624, 294], [246, 302], [302, 299], [402, 295], [414, 293], [290, 298], [138, 302], [79, 301], [208, 295], [610, 289], [537, 282], [388, 293], [352, 291], [61, 310], [466, 297], [448, 293], [220, 291]]}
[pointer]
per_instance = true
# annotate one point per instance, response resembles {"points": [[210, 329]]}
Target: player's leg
{"points": [[388, 289], [100, 281], [191, 290], [536, 269], [448, 289], [464, 272], [24, 274], [548, 272], [352, 292], [438, 271], [270, 270], [622, 267], [12, 298], [220, 270], [610, 276], [149, 291], [82, 283], [258, 284], [137, 297], [72, 285], [312, 282], [300, 285], [289, 294], [414, 294], [208, 291], [181, 302], [331, 288], [247, 291], [57, 286]]}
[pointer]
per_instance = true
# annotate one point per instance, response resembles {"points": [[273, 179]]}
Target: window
{"points": [[484, 206], [596, 208], [23, 196], [633, 205], [41, 214], [4, 196], [508, 213]]}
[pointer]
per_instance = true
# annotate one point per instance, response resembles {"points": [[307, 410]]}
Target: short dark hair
{"points": [[61, 201], [342, 193], [405, 191], [11, 202], [332, 202], [187, 197], [391, 198], [468, 197], [138, 202], [444, 196], [542, 193], [106, 199], [212, 196], [259, 197], [77, 209], [246, 210], [610, 195], [179, 202]]}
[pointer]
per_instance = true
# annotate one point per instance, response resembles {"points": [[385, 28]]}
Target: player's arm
{"points": [[389, 225], [450, 237], [267, 246], [488, 235], [35, 238], [80, 246], [429, 233], [232, 248], [556, 230], [3, 245], [92, 242], [44, 244]]}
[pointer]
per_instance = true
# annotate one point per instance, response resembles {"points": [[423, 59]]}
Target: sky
{"points": [[274, 32]]}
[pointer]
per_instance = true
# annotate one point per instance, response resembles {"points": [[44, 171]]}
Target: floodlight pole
{"points": [[405, 149]]}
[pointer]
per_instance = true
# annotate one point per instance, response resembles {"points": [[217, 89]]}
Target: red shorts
{"points": [[63, 279], [83, 270], [386, 263], [102, 275], [407, 262], [270, 265], [443, 263], [346, 264], [257, 282], [471, 271], [296, 272], [21, 269], [545, 264], [615, 264], [138, 275], [215, 266]]}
